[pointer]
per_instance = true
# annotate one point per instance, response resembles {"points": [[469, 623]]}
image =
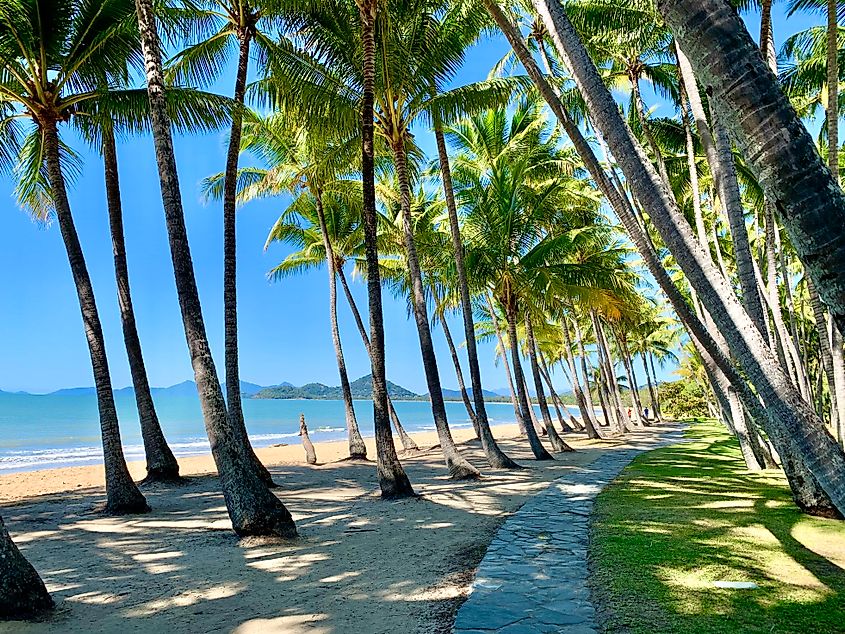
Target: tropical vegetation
{"points": [[560, 218]]}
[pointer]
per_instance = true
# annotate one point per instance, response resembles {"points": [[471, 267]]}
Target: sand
{"points": [[361, 565]]}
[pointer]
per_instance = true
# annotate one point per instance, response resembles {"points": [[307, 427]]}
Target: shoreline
{"points": [[22, 486]]}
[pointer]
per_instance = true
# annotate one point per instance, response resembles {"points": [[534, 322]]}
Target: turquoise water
{"points": [[56, 430]]}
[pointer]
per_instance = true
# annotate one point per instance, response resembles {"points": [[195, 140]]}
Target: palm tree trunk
{"points": [[558, 444], [639, 106], [459, 467], [253, 508], [230, 260], [408, 443], [459, 374], [793, 422], [161, 464], [652, 388], [732, 203], [520, 421], [628, 362], [778, 146], [621, 422], [585, 405], [393, 481], [22, 592], [122, 495], [357, 448], [496, 458], [537, 448], [565, 425]]}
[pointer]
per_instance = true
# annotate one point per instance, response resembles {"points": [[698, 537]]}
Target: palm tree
{"points": [[796, 424], [253, 508], [22, 593], [319, 220], [392, 479], [807, 198], [51, 71], [215, 27]]}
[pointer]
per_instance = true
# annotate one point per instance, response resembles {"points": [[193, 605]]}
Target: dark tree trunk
{"points": [[408, 443], [252, 507], [792, 422], [585, 406], [565, 426], [525, 406], [517, 412], [122, 495], [459, 467], [459, 375], [652, 387], [161, 464], [22, 593], [557, 442], [310, 452], [357, 448], [393, 481], [778, 146], [230, 263]]}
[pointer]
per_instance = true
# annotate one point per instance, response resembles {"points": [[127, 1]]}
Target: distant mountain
{"points": [[455, 395], [361, 389], [185, 388]]}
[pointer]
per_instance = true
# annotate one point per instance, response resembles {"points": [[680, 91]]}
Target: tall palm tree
{"points": [[51, 72], [215, 27], [807, 198], [796, 424], [253, 508], [318, 221], [22, 592]]}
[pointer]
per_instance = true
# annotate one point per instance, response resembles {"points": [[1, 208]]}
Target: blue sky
{"points": [[284, 327]]}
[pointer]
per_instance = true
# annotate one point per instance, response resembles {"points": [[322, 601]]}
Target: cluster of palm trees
{"points": [[734, 213]]}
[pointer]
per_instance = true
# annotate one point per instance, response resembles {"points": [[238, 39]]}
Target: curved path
{"points": [[533, 578]]}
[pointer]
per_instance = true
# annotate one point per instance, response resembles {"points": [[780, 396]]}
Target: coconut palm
{"points": [[797, 425], [52, 71], [214, 29], [807, 198], [22, 593], [253, 508], [318, 221]]}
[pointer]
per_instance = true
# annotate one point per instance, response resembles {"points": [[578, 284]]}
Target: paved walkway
{"points": [[533, 579]]}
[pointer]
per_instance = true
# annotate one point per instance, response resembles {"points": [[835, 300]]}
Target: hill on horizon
{"points": [[362, 388]]}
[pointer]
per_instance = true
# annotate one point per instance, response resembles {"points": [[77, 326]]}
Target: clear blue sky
{"points": [[284, 327]]}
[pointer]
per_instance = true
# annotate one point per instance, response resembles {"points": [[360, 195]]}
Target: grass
{"points": [[679, 518]]}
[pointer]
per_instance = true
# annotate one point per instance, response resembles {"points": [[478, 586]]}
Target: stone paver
{"points": [[533, 578]]}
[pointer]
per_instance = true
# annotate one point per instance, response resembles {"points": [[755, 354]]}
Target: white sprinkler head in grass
{"points": [[736, 585]]}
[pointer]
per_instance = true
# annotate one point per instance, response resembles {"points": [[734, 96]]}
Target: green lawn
{"points": [[679, 518]]}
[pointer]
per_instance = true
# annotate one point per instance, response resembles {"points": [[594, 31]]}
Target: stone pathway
{"points": [[533, 578]]}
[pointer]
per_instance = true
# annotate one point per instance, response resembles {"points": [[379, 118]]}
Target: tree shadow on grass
{"points": [[682, 517]]}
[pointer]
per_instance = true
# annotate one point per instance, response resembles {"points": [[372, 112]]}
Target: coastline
{"points": [[23, 486]]}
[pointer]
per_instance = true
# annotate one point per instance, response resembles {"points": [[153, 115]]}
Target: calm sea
{"points": [[45, 431]]}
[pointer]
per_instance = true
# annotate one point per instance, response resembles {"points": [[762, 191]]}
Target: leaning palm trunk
{"points": [[565, 425], [22, 593], [793, 424], [122, 495], [161, 464], [584, 405], [652, 392], [496, 458], [778, 146], [517, 412], [408, 443], [459, 467], [557, 442], [357, 448], [230, 262], [459, 375], [252, 507], [393, 481], [525, 407], [806, 490]]}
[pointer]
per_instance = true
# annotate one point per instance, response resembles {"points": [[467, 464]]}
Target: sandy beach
{"points": [[360, 565]]}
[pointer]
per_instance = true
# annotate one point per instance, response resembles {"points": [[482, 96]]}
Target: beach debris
{"points": [[310, 453]]}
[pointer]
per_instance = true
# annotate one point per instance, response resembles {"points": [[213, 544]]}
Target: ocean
{"points": [[61, 430]]}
